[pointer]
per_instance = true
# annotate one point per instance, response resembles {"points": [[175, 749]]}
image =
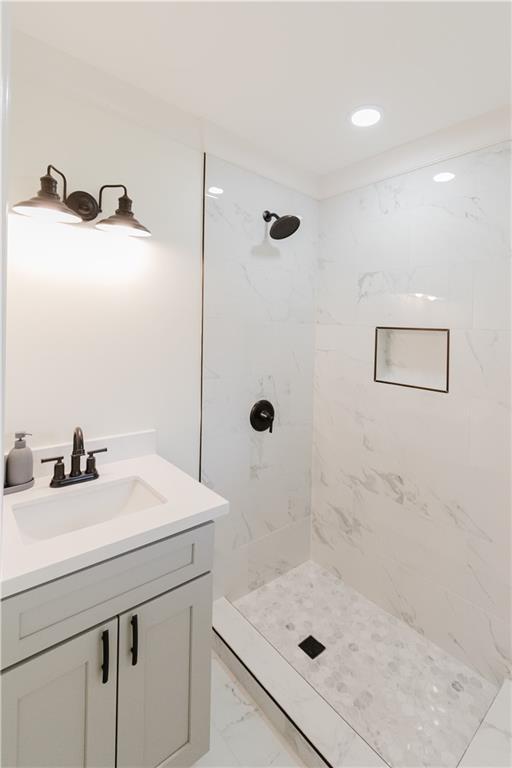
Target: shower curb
{"points": [[279, 718], [318, 734]]}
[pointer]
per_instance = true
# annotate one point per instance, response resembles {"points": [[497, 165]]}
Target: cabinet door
{"points": [[56, 710], [164, 679]]}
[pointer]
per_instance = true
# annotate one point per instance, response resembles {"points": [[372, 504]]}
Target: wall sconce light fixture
{"points": [[122, 222], [47, 203], [81, 206]]}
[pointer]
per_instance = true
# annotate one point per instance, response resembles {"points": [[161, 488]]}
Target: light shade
{"points": [[118, 226], [364, 117], [47, 204], [123, 222]]}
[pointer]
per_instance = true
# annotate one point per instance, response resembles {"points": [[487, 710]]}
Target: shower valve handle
{"points": [[269, 418], [262, 416]]}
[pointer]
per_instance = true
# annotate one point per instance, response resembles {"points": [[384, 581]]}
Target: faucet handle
{"points": [[90, 466], [58, 470]]}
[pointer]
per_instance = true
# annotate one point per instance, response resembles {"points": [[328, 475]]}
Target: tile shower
{"points": [[375, 516]]}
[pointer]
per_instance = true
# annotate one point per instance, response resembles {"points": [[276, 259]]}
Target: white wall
{"points": [[411, 489], [4, 62], [101, 332], [258, 344]]}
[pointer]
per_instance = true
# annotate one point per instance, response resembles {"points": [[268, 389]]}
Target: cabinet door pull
{"points": [[134, 621], [106, 654]]}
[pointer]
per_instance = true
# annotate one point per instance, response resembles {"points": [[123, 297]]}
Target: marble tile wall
{"points": [[411, 489], [258, 343]]}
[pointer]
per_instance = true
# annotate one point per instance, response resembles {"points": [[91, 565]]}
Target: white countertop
{"points": [[25, 565]]}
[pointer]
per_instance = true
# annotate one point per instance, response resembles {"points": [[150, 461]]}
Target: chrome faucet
{"points": [[60, 479]]}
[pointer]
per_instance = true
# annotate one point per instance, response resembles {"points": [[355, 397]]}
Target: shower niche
{"points": [[412, 357]]}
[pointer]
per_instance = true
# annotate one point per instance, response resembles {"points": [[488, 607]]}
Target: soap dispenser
{"points": [[20, 464]]}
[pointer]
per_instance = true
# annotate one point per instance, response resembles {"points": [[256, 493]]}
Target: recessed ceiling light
{"points": [[215, 190], [366, 116], [444, 176]]}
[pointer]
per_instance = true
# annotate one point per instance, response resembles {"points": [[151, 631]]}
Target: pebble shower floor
{"points": [[414, 704]]}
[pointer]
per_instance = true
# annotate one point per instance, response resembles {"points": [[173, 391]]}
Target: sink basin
{"points": [[83, 507]]}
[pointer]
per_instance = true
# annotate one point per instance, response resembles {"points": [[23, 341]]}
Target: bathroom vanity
{"points": [[106, 624]]}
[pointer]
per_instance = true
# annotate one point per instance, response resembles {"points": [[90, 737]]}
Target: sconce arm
{"points": [[110, 186], [65, 181]]}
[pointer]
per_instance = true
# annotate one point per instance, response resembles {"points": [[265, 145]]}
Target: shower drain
{"points": [[312, 647]]}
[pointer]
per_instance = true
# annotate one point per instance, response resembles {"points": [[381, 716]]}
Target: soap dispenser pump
{"points": [[20, 464]]}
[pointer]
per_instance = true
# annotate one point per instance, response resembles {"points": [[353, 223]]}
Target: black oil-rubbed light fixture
{"points": [[47, 203], [122, 221], [81, 206]]}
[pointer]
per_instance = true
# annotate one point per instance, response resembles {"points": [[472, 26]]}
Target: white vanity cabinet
{"points": [[164, 684], [56, 711], [110, 666]]}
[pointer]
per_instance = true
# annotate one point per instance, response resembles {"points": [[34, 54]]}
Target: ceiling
{"points": [[286, 75]]}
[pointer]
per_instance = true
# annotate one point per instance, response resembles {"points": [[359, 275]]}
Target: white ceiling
{"points": [[285, 75]]}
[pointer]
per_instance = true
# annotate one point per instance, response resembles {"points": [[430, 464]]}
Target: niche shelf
{"points": [[412, 357]]}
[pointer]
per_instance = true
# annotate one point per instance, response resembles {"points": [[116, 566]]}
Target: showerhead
{"points": [[283, 226]]}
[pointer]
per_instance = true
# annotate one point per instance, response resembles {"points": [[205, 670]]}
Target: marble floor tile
{"points": [[241, 736], [408, 699], [492, 744], [303, 717]]}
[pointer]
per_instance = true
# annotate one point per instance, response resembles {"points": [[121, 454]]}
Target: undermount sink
{"points": [[83, 507]]}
